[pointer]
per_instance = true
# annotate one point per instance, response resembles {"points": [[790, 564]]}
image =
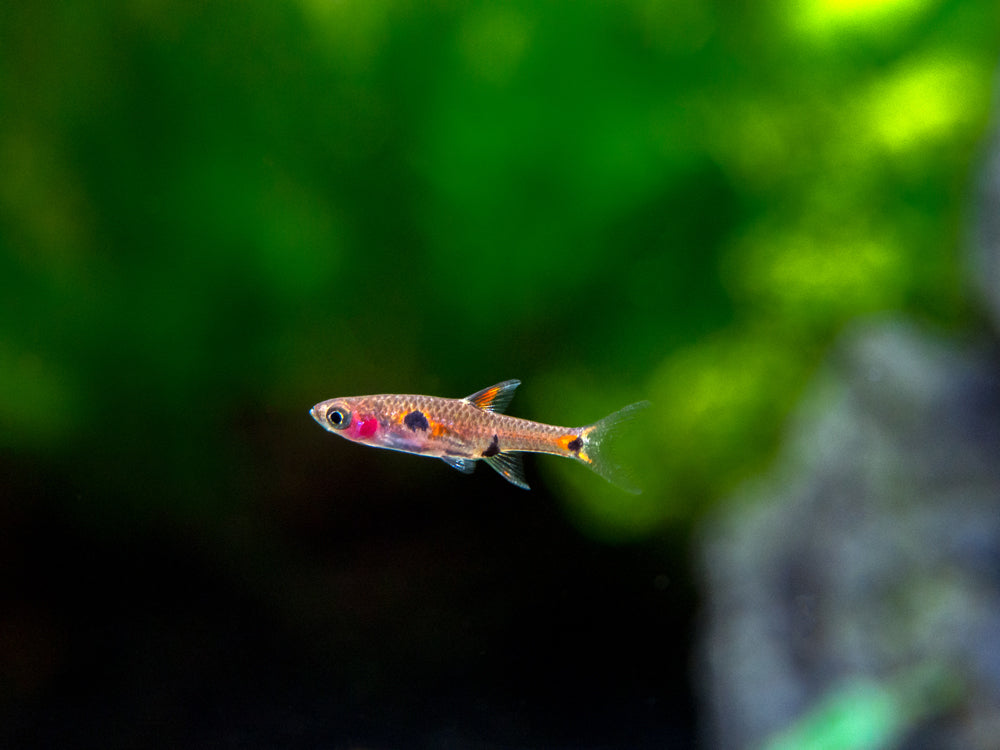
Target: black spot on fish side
{"points": [[416, 420], [493, 448], [575, 445]]}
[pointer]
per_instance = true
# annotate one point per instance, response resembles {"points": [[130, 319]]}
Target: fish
{"points": [[464, 431]]}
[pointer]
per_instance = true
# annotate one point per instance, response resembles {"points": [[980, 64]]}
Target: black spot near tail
{"points": [[575, 444], [493, 448], [416, 420]]}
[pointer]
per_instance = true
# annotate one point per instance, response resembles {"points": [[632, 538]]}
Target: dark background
{"points": [[213, 215]]}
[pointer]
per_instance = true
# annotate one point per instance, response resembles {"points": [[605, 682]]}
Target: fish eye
{"points": [[339, 418]]}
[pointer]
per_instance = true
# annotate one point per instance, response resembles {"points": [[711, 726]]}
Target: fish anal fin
{"points": [[464, 465], [496, 397], [510, 467]]}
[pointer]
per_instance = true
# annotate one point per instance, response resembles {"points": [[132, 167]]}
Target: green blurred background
{"points": [[213, 215]]}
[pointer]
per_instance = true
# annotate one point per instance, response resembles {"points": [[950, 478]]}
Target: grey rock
{"points": [[870, 552]]}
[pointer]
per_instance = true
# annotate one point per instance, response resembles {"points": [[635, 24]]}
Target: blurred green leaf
{"points": [[211, 211]]}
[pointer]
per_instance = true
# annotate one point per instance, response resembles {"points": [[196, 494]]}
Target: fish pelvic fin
{"points": [[496, 397], [510, 467], [464, 465], [598, 447]]}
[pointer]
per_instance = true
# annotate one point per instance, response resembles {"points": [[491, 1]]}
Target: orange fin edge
{"points": [[495, 398]]}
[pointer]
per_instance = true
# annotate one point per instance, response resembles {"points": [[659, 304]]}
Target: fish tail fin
{"points": [[598, 447]]}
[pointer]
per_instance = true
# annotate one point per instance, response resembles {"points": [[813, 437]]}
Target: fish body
{"points": [[462, 431]]}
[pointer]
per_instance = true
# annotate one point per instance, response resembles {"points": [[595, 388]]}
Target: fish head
{"points": [[347, 417]]}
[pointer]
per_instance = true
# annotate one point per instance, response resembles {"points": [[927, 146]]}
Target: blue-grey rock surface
{"points": [[871, 550]]}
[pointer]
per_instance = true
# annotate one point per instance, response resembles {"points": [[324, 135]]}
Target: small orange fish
{"points": [[461, 431]]}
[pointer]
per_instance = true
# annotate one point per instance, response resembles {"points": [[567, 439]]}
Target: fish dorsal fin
{"points": [[464, 465], [510, 467], [496, 397]]}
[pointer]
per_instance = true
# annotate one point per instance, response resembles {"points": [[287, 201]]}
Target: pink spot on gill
{"points": [[367, 427]]}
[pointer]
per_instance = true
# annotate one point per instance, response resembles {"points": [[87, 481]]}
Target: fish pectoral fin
{"points": [[496, 397], [464, 465], [510, 467]]}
